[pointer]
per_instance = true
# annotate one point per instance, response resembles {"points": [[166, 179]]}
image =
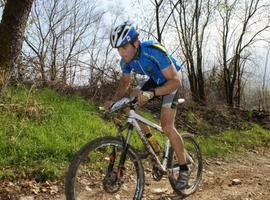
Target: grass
{"points": [[41, 130], [232, 142], [44, 145]]}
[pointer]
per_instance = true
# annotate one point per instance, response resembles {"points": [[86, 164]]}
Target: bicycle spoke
{"points": [[194, 163], [95, 181]]}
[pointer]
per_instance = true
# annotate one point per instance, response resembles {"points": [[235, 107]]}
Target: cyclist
{"points": [[150, 58]]}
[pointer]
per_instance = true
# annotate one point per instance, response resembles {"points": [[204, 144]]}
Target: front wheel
{"points": [[194, 162], [95, 172]]}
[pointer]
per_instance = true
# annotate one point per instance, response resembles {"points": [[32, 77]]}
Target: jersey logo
{"points": [[149, 69]]}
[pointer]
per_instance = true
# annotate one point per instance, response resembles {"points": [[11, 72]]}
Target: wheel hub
{"points": [[111, 183]]}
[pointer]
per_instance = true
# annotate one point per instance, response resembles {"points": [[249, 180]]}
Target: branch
{"points": [[2, 3], [145, 31], [253, 37], [31, 46], [172, 10]]}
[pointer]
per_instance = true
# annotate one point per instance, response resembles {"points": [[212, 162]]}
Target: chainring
{"points": [[157, 173]]}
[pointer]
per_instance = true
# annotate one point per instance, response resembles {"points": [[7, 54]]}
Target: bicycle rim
{"points": [[194, 162], [89, 177]]}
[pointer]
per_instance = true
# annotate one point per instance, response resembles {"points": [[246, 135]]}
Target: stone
{"points": [[27, 198], [236, 182], [117, 197], [218, 163], [159, 190]]}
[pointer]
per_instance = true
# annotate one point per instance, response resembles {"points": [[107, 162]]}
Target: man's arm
{"points": [[172, 83], [120, 92], [122, 87]]}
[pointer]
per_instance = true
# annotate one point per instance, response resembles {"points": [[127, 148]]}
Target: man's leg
{"points": [[167, 123]]}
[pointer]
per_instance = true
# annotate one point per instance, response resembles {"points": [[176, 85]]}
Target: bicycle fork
{"points": [[121, 165]]}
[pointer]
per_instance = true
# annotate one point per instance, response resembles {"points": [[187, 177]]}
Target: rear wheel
{"points": [[94, 173], [194, 162]]}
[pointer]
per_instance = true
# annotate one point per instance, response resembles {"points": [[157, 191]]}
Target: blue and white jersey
{"points": [[151, 59]]}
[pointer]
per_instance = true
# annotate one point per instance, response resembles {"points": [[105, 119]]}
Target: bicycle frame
{"points": [[133, 119]]}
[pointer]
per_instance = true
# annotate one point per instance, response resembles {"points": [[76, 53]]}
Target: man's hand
{"points": [[142, 96], [148, 94], [108, 104]]}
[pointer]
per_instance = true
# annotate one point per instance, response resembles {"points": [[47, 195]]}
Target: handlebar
{"points": [[127, 101], [121, 103]]}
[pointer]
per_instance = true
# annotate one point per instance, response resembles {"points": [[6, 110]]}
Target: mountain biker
{"points": [[150, 58]]}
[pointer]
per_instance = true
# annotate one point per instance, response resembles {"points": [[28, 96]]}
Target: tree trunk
{"points": [[231, 73], [201, 92], [264, 88], [42, 71], [193, 82], [230, 95], [158, 25], [239, 87], [12, 30]]}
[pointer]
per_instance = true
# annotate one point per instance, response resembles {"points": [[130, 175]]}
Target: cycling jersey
{"points": [[150, 60]]}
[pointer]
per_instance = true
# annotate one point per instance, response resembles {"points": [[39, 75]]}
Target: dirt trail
{"points": [[252, 170]]}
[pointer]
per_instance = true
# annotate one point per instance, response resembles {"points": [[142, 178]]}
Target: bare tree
{"points": [[155, 18], [191, 19], [60, 34], [103, 60], [12, 30], [238, 38], [159, 6], [264, 96]]}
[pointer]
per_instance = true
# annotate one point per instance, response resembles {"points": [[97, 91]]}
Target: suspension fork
{"points": [[126, 146], [112, 156], [112, 160]]}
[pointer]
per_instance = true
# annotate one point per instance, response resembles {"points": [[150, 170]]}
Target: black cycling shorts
{"points": [[169, 100]]}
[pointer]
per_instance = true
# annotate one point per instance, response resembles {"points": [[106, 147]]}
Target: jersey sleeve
{"points": [[177, 64], [125, 68]]}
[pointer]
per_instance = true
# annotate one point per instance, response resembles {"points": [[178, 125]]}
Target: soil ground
{"points": [[251, 169]]}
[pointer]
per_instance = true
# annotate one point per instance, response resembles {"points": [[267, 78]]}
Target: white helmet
{"points": [[123, 34]]}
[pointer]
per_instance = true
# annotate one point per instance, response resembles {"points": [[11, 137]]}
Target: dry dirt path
{"points": [[251, 171]]}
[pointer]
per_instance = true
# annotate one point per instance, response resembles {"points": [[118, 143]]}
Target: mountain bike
{"points": [[109, 167]]}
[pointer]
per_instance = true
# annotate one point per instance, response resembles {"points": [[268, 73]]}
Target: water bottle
{"points": [[153, 142]]}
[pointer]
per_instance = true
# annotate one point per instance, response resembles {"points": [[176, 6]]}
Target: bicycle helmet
{"points": [[123, 34]]}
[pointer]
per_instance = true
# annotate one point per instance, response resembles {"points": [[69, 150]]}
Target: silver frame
{"points": [[133, 118]]}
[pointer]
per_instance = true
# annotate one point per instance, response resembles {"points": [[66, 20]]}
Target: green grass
{"points": [[202, 125], [44, 145], [41, 130], [232, 142]]}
